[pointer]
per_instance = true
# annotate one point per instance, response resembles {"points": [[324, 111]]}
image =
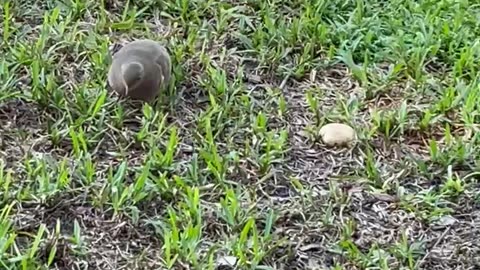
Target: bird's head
{"points": [[132, 74]]}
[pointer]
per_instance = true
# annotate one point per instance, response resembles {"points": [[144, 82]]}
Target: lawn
{"points": [[227, 169]]}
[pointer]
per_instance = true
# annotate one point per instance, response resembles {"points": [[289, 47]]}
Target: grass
{"points": [[227, 167]]}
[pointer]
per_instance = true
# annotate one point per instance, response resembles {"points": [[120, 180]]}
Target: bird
{"points": [[140, 70]]}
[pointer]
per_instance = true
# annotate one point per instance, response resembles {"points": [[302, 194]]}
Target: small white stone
{"points": [[337, 134], [227, 261], [445, 221]]}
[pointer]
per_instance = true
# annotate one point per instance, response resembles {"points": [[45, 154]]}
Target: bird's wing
{"points": [[164, 63]]}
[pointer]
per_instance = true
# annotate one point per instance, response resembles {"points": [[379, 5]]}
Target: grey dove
{"points": [[140, 70]]}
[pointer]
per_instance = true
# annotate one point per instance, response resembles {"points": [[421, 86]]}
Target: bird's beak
{"points": [[125, 86]]}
